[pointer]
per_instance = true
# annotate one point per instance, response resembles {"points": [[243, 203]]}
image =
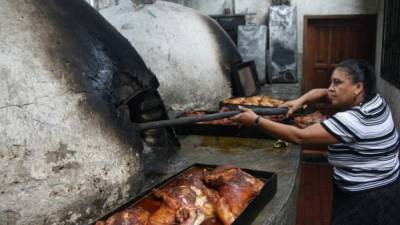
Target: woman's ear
{"points": [[358, 88]]}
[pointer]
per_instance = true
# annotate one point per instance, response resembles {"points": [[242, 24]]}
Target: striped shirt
{"points": [[367, 155]]}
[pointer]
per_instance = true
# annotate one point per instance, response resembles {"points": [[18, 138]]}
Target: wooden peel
{"points": [[208, 117]]}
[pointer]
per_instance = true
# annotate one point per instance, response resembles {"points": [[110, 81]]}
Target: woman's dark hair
{"points": [[360, 71]]}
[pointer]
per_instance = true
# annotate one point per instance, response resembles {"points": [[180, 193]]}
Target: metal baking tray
{"points": [[148, 202], [232, 106], [224, 130], [300, 112]]}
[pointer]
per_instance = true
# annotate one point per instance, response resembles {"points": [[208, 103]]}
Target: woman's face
{"points": [[342, 92]]}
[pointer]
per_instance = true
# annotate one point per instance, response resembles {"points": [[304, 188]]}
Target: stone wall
{"points": [[388, 91]]}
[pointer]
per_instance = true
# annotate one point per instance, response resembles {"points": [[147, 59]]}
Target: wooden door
{"points": [[330, 39]]}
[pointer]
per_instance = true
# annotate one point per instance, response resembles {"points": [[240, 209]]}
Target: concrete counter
{"points": [[257, 154]]}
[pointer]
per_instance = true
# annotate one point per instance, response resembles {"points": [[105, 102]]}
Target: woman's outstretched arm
{"points": [[312, 135], [311, 96]]}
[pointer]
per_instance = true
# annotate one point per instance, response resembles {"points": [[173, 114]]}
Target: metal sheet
{"points": [[283, 44], [252, 45]]}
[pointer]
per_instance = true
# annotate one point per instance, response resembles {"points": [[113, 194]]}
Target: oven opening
{"points": [[160, 143]]}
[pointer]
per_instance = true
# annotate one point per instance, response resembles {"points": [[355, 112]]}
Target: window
{"points": [[390, 69]]}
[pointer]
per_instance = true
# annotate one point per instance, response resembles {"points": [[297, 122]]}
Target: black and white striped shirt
{"points": [[367, 155]]}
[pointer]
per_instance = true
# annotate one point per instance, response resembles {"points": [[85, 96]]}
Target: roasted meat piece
{"points": [[196, 178], [195, 113], [236, 189], [308, 120], [187, 201], [224, 121], [134, 216], [218, 122], [224, 109], [182, 205]]}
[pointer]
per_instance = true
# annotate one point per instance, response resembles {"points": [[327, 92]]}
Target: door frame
{"points": [[308, 18]]}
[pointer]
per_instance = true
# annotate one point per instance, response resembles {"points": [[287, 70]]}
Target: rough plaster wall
{"points": [[59, 161], [100, 4], [388, 91], [259, 7], [216, 7], [178, 46], [106, 3]]}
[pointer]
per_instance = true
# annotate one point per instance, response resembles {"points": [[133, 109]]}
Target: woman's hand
{"points": [[247, 117], [293, 105]]}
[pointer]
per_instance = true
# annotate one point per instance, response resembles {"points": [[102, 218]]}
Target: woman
{"points": [[363, 145]]}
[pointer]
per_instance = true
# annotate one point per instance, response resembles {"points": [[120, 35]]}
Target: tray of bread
{"points": [[251, 102], [199, 195]]}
